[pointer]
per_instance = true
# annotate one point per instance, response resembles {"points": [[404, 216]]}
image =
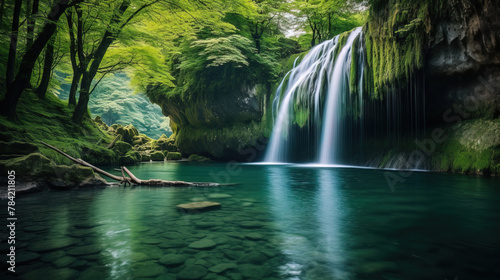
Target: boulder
{"points": [[157, 156], [127, 132], [174, 156], [122, 148], [195, 157]]}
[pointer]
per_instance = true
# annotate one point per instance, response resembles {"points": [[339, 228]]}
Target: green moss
{"points": [[195, 157], [221, 141], [122, 148], [49, 120], [174, 156], [353, 79], [157, 156], [394, 42]]}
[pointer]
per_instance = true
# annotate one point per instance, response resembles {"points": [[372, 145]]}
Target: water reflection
{"points": [[330, 216]]}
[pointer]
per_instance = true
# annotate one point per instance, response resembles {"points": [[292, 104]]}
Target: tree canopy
{"points": [[183, 47]]}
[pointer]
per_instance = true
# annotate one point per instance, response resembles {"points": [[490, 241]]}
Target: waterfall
{"points": [[301, 93], [324, 113]]}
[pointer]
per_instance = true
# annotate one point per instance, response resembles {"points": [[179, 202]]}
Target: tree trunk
{"points": [[47, 68], [88, 75], [83, 100], [31, 23], [14, 91], [77, 74], [11, 60]]}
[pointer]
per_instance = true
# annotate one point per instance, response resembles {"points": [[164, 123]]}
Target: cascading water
{"points": [[324, 66], [322, 114]]}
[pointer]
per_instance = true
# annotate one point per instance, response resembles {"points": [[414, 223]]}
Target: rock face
{"points": [[454, 58], [220, 127], [463, 58]]}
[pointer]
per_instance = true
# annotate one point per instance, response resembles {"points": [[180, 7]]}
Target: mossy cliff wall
{"points": [[452, 50], [222, 126]]}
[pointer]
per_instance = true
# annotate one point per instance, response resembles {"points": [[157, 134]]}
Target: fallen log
{"points": [[84, 163], [133, 179]]}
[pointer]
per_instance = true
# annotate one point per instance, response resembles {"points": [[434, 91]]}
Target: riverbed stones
{"points": [[148, 270], [138, 257], [253, 258], [173, 259], [203, 244], [219, 268], [252, 271], [84, 250], [250, 224], [192, 272], [64, 261], [254, 236], [204, 225], [173, 243], [201, 206], [52, 256], [51, 245], [26, 257]]}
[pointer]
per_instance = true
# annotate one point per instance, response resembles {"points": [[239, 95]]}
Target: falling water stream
{"points": [[324, 115], [319, 67]]}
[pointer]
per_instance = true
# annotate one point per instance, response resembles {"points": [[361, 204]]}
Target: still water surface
{"points": [[279, 222]]}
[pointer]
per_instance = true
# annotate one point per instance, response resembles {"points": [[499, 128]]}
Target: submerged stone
{"points": [[173, 259], [203, 244], [195, 207], [26, 257], [252, 271], [148, 270], [64, 261], [84, 250], [51, 245], [253, 258], [219, 195], [254, 236], [219, 268], [192, 272], [250, 225]]}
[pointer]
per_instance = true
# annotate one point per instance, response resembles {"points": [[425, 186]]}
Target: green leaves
{"points": [[223, 50]]}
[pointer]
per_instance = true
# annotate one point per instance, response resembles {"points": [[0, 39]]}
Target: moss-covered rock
{"points": [[17, 148], [98, 155], [35, 172], [127, 132], [122, 148], [173, 156], [195, 157], [164, 144], [240, 142], [157, 156], [145, 157], [99, 122]]}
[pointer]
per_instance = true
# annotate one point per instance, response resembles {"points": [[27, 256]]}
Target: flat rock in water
{"points": [[254, 236], [219, 195], [173, 259], [192, 272], [202, 244], [219, 268], [200, 206]]}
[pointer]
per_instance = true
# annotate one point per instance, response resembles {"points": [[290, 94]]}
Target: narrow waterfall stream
{"points": [[323, 112]]}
